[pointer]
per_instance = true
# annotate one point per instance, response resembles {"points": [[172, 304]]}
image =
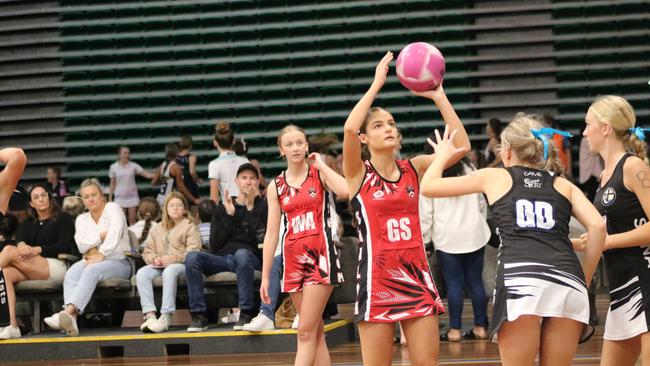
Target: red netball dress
{"points": [[309, 254], [393, 279]]}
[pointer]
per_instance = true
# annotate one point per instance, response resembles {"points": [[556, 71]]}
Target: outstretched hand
{"points": [[433, 94], [382, 69], [445, 148]]}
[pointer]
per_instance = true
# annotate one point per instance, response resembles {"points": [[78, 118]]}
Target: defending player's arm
{"points": [[352, 163], [452, 122], [270, 239], [636, 176], [589, 217]]}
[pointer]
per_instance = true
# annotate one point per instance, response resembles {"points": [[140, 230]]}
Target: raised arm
{"points": [[14, 160], [352, 163], [332, 180], [452, 121]]}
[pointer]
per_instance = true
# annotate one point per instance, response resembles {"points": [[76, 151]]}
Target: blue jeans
{"points": [[80, 280], [145, 277], [243, 263], [459, 270], [274, 288]]}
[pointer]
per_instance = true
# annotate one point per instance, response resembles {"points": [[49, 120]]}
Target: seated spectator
{"points": [[8, 228], [44, 235], [206, 207], [148, 216], [102, 238], [73, 206], [56, 185], [164, 255], [238, 226]]}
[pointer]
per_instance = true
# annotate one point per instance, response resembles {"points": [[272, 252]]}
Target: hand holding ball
{"points": [[420, 67]]}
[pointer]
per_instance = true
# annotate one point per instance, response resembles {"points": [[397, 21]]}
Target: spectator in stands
{"points": [[8, 228], [148, 216], [493, 130], [458, 229], [45, 234], [206, 208], [123, 189], [55, 184], [73, 206], [222, 171], [187, 160], [240, 148], [164, 255], [238, 226], [170, 175], [563, 145], [102, 238]]}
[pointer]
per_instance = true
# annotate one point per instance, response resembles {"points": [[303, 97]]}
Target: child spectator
{"points": [[148, 216]]}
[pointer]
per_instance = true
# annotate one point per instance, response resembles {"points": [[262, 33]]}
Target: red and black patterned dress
{"points": [[309, 254], [393, 279]]}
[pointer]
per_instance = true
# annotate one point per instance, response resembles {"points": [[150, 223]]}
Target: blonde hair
{"points": [[518, 136], [618, 113], [73, 206], [92, 182], [289, 128], [168, 223]]}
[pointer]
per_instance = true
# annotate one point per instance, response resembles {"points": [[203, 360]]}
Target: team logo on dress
{"points": [[411, 191], [285, 200], [609, 196], [378, 195], [532, 183], [312, 192]]}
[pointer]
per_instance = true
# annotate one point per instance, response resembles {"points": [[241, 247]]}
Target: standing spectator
{"points": [[222, 171], [55, 184], [459, 232], [170, 175], [123, 189], [102, 238], [164, 255], [44, 235], [187, 160], [493, 130], [238, 226], [590, 168]]}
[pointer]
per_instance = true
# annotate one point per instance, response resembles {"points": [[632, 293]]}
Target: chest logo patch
{"points": [[609, 196]]}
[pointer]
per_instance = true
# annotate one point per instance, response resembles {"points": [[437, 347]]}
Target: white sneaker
{"points": [[69, 324], [296, 320], [147, 322], [162, 324], [53, 322], [9, 332], [231, 318], [259, 323]]}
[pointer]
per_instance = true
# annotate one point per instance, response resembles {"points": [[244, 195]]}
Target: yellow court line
{"points": [[328, 327]]}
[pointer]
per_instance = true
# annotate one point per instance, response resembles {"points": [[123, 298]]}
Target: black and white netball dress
{"points": [[628, 269], [538, 272]]}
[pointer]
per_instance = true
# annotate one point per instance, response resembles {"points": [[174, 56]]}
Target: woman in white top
{"points": [[102, 238], [459, 232], [123, 189], [222, 171]]}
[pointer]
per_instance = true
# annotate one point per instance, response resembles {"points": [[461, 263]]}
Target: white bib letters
{"points": [[399, 230], [302, 223], [534, 215]]}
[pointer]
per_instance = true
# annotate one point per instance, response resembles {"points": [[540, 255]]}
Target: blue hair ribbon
{"points": [[547, 133], [639, 132]]}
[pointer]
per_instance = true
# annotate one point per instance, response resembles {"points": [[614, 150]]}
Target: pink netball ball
{"points": [[420, 66]]}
